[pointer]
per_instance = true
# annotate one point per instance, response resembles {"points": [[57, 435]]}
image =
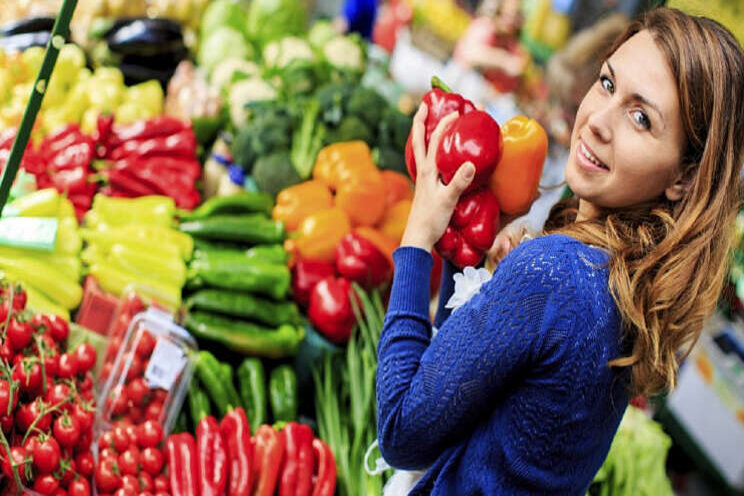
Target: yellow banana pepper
{"points": [[46, 278]]}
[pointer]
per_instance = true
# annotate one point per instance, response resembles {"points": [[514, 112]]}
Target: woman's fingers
{"points": [[436, 136], [459, 183], [418, 139]]}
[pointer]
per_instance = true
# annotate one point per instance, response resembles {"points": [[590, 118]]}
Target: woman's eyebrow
{"points": [[637, 96]]}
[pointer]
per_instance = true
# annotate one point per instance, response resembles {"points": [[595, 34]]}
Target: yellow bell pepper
{"points": [[295, 203], [393, 224], [319, 234], [46, 278]]}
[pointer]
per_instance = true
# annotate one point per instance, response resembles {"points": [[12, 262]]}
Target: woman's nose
{"points": [[600, 123]]}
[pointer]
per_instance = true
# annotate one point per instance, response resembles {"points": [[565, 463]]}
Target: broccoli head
{"points": [[394, 128], [268, 131], [368, 105], [351, 129], [275, 172]]}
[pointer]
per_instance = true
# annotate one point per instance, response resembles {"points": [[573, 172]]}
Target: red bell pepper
{"points": [[72, 181], [145, 129], [160, 181], [299, 461], [330, 308], [181, 144], [306, 273], [76, 155], [267, 459], [236, 432], [325, 477], [360, 261], [440, 102], [471, 230], [213, 461], [474, 137], [182, 465], [123, 181]]}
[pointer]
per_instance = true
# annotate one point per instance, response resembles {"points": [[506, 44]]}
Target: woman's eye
{"points": [[607, 84], [641, 119]]}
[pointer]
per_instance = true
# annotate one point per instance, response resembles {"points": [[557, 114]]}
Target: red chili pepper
{"points": [[360, 261], [299, 460], [145, 129], [306, 273], [182, 465], [440, 102], [213, 461], [61, 140], [236, 432], [177, 186], [123, 181], [267, 459], [330, 308], [76, 155], [325, 477], [72, 181], [471, 230], [181, 144]]}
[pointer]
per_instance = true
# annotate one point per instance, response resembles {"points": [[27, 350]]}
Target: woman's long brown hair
{"points": [[668, 260]]}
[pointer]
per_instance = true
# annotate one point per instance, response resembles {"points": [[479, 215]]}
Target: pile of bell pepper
{"points": [[344, 225], [224, 459], [51, 278], [238, 280], [152, 157], [131, 243], [508, 163]]}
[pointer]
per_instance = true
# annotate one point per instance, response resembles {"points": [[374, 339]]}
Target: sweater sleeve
{"points": [[432, 392]]}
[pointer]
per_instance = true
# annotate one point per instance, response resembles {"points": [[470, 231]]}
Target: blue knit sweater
{"points": [[514, 394]]}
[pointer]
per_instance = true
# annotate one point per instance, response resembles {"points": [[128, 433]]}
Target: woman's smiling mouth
{"points": [[588, 161]]}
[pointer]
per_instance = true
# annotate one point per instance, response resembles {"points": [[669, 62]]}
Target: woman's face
{"points": [[627, 140]]}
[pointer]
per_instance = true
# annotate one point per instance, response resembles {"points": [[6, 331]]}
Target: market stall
{"points": [[196, 250]]}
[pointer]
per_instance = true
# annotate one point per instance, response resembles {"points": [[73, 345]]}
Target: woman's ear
{"points": [[681, 184]]}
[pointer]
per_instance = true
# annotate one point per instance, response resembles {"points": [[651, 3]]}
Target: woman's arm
{"points": [[431, 392], [446, 289]]}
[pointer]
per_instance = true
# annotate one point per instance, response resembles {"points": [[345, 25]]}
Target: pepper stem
{"points": [[438, 83]]}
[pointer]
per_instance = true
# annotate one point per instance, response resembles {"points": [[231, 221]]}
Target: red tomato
{"points": [[129, 461], [117, 400], [5, 398], [109, 453], [135, 366], [28, 374], [160, 395], [130, 483], [145, 482], [86, 357], [19, 299], [121, 438], [67, 470], [6, 423], [137, 390], [145, 345], [68, 366], [107, 478], [19, 334], [85, 463], [162, 484], [26, 414], [6, 352], [87, 383], [46, 456], [59, 492], [51, 365], [162, 493], [66, 430], [31, 444], [113, 348], [149, 434], [136, 414], [125, 492], [85, 441], [154, 411], [40, 322], [59, 329], [131, 432], [85, 414], [17, 455], [79, 487], [57, 394], [152, 461], [106, 440], [145, 493], [46, 484]]}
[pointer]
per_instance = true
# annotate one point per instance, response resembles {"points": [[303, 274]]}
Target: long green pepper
{"points": [[227, 378], [210, 375], [198, 402], [245, 305], [252, 380], [283, 393]]}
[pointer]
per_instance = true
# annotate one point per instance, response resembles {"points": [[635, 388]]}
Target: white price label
{"points": [[166, 363]]}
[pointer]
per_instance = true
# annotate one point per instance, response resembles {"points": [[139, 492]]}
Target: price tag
{"points": [[165, 365]]}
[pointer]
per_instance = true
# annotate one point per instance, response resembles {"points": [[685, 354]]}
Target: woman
{"points": [[523, 387]]}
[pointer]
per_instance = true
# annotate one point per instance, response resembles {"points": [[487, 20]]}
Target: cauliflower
{"points": [[281, 53], [244, 92], [343, 52], [225, 71]]}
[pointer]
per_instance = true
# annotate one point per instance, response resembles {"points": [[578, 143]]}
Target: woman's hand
{"points": [[507, 239], [433, 201]]}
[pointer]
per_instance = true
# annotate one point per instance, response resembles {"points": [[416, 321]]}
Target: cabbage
{"points": [[270, 20], [223, 43], [219, 13]]}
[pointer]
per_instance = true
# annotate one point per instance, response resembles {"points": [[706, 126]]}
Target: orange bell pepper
{"points": [[319, 233], [517, 175], [395, 219], [397, 187], [348, 169], [341, 162], [386, 245], [295, 203]]}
